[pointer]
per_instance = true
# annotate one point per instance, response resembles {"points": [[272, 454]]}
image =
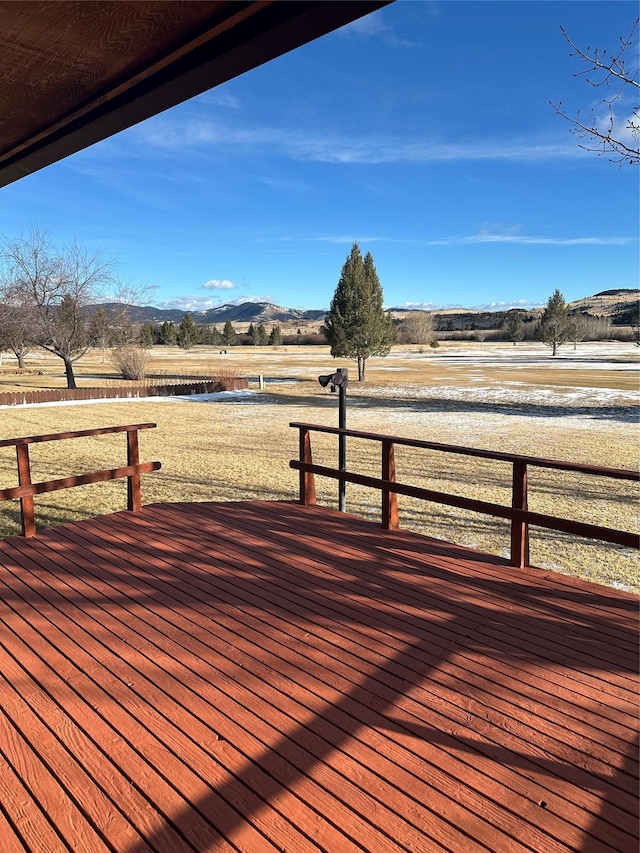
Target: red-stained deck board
{"points": [[457, 697], [370, 760], [264, 676], [77, 654], [373, 841], [632, 783]]}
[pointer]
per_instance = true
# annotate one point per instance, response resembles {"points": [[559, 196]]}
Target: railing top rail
{"points": [[58, 436], [578, 467]]}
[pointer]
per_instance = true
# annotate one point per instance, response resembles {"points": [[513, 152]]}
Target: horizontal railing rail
{"points": [[26, 489], [518, 513]]}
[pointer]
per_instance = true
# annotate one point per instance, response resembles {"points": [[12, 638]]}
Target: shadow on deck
{"points": [[264, 676]]}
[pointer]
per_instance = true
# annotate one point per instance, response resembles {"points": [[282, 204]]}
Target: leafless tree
{"points": [[16, 324], [126, 296], [602, 129], [419, 327], [51, 290], [579, 328]]}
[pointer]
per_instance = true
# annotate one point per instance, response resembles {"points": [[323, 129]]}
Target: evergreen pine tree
{"points": [[514, 327], [147, 336], [205, 336], [259, 336], [215, 336], [357, 326], [168, 334], [554, 328], [275, 337], [229, 334], [187, 333]]}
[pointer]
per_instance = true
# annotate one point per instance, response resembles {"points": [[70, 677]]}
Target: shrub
{"points": [[130, 361], [227, 379]]}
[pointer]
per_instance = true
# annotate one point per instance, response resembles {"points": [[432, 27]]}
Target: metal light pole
{"points": [[342, 439], [338, 381]]}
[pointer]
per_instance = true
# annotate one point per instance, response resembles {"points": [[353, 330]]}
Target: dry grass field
{"points": [[581, 406]]}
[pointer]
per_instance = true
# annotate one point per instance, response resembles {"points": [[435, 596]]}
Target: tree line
{"points": [[187, 334], [50, 299], [357, 327]]}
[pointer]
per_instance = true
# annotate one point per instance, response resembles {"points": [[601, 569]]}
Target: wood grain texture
{"points": [[270, 676]]}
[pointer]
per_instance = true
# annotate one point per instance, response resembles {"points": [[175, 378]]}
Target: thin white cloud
{"points": [[506, 305], [375, 27], [616, 117], [531, 240], [383, 151], [220, 97], [284, 186], [488, 236], [219, 284], [166, 133], [347, 240], [200, 303], [317, 146], [369, 26], [266, 297], [188, 303], [448, 306], [419, 306]]}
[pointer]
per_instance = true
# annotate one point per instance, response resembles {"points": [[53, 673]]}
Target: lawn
{"points": [[580, 406]]}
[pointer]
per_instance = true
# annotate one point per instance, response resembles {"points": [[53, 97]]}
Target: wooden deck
{"points": [[271, 677]]}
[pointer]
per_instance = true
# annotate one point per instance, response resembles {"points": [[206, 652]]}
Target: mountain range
{"points": [[619, 305], [246, 312]]}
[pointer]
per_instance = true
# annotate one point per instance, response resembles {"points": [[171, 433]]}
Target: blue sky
{"points": [[422, 131]]}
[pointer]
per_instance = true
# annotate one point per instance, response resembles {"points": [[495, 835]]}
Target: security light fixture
{"points": [[337, 380]]}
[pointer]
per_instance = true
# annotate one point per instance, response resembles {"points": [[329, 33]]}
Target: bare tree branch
{"points": [[420, 327], [49, 290], [611, 72]]}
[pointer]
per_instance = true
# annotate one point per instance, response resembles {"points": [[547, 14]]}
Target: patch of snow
{"points": [[509, 393], [215, 397]]}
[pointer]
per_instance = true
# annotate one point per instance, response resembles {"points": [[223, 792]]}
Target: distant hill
{"points": [[619, 305], [246, 312]]}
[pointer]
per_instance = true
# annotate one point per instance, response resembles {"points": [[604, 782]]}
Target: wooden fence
{"points": [[518, 513], [123, 392]]}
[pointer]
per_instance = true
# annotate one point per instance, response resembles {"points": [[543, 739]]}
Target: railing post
{"points": [[27, 511], [307, 479], [134, 494], [342, 439], [519, 529], [390, 519]]}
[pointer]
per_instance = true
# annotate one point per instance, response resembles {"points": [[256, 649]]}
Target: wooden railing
{"points": [[518, 513], [26, 489]]}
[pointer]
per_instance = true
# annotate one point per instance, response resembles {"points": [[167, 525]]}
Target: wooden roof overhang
{"points": [[74, 72]]}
